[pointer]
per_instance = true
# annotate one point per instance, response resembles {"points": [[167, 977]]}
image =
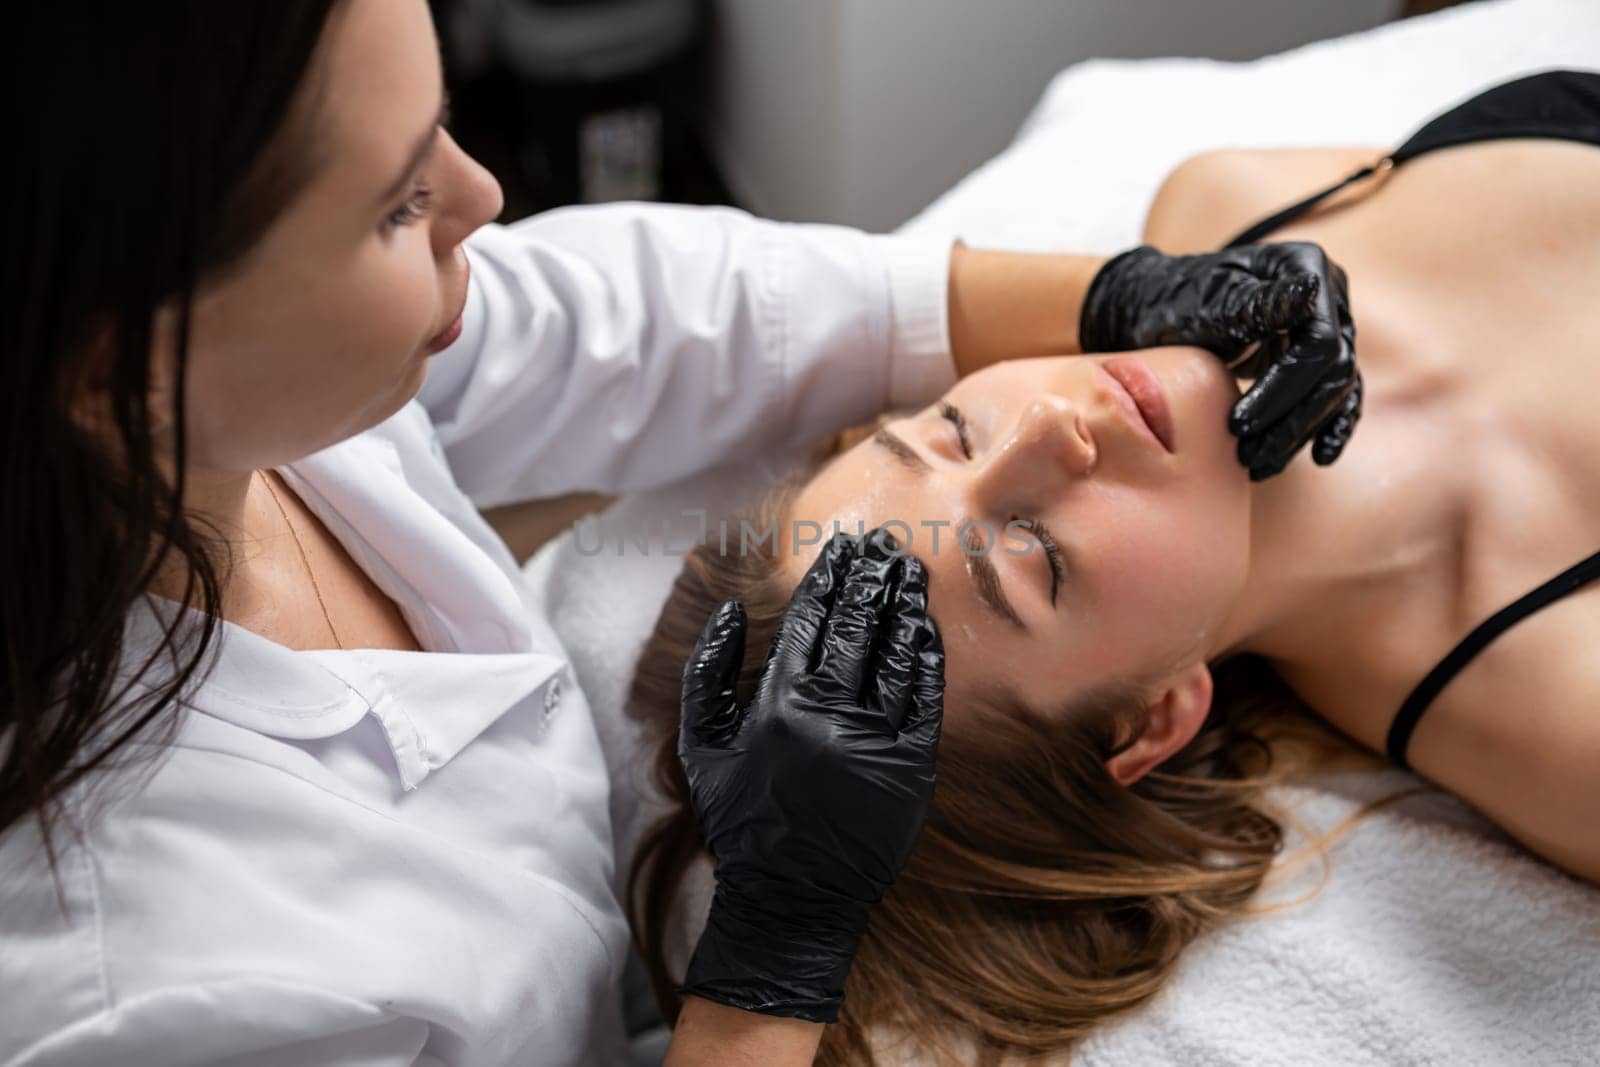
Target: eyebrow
{"points": [[896, 446], [986, 580], [419, 151], [980, 568]]}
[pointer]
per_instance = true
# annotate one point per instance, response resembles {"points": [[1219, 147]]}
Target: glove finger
{"points": [[1277, 444], [1243, 419], [1336, 432], [1278, 388], [1305, 361], [926, 719], [1334, 394], [1255, 358], [847, 637], [794, 646], [1272, 306], [893, 672], [1260, 464], [710, 710], [1318, 350]]}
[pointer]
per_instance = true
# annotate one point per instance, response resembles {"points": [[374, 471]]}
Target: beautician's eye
{"points": [[959, 421], [414, 210]]}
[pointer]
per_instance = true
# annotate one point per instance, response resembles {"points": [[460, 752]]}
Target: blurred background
{"points": [[849, 111]]}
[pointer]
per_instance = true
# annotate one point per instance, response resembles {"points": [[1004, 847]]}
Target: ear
{"points": [[1175, 717]]}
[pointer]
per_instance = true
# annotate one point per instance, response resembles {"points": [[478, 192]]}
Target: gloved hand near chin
{"points": [[1287, 296], [811, 796]]}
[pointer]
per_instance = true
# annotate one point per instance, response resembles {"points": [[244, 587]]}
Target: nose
{"points": [[471, 194], [1048, 447]]}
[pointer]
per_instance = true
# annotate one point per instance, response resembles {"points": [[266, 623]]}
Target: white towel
{"points": [[1435, 940]]}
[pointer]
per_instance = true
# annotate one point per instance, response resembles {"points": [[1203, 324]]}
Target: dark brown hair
{"points": [[150, 146], [1043, 896]]}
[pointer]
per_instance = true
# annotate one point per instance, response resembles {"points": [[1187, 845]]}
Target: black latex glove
{"points": [[1288, 296], [811, 797]]}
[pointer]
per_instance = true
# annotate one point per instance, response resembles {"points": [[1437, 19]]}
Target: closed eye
{"points": [[949, 411], [1052, 550], [1052, 553]]}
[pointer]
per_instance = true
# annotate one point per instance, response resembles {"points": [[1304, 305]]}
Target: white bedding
{"points": [[1435, 940]]}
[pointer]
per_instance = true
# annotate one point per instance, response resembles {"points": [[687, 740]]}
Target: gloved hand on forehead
{"points": [[811, 796], [1288, 297]]}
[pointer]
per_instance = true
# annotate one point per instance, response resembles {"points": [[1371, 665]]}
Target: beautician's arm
{"points": [[619, 347], [1006, 305], [709, 1034], [1001, 305]]}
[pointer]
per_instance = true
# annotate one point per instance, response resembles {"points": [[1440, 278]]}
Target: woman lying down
{"points": [[1099, 798]]}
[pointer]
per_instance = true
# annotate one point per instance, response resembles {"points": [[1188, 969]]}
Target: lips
{"points": [[1148, 396], [447, 336]]}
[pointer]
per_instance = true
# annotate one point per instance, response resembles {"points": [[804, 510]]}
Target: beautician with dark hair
{"points": [[291, 768]]}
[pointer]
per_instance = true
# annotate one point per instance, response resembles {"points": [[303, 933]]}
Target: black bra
{"points": [[1560, 104]]}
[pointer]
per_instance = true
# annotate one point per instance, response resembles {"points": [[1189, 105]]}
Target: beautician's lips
{"points": [[448, 336], [1142, 391]]}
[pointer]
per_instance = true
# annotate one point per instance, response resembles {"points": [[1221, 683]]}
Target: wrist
{"points": [[1104, 319], [710, 1033], [776, 952]]}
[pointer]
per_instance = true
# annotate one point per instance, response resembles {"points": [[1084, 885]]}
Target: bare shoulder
{"points": [[1211, 196], [1517, 733]]}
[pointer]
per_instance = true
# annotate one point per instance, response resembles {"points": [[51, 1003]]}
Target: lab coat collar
{"points": [[450, 590], [430, 704]]}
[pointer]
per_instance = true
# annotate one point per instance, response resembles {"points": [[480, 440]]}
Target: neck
{"points": [[1300, 571], [236, 510], [1328, 544]]}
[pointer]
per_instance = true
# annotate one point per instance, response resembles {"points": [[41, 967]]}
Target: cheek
{"points": [[388, 305], [977, 669], [1166, 572], [311, 360]]}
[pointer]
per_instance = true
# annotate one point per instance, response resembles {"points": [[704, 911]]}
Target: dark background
{"points": [[526, 125]]}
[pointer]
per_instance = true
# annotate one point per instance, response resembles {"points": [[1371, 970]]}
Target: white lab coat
{"points": [[383, 857]]}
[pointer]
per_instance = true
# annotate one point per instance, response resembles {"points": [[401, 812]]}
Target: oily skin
{"points": [[323, 331], [1050, 444]]}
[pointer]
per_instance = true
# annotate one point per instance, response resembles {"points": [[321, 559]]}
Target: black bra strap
{"points": [[1563, 104], [1405, 721], [1294, 211]]}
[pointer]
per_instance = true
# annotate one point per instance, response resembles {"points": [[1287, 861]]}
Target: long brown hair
{"points": [[1042, 896], [152, 145]]}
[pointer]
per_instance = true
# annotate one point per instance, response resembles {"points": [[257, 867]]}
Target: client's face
{"points": [[1090, 554]]}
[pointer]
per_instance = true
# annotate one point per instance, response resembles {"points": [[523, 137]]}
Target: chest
{"points": [[308, 592], [1513, 520], [1489, 309]]}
